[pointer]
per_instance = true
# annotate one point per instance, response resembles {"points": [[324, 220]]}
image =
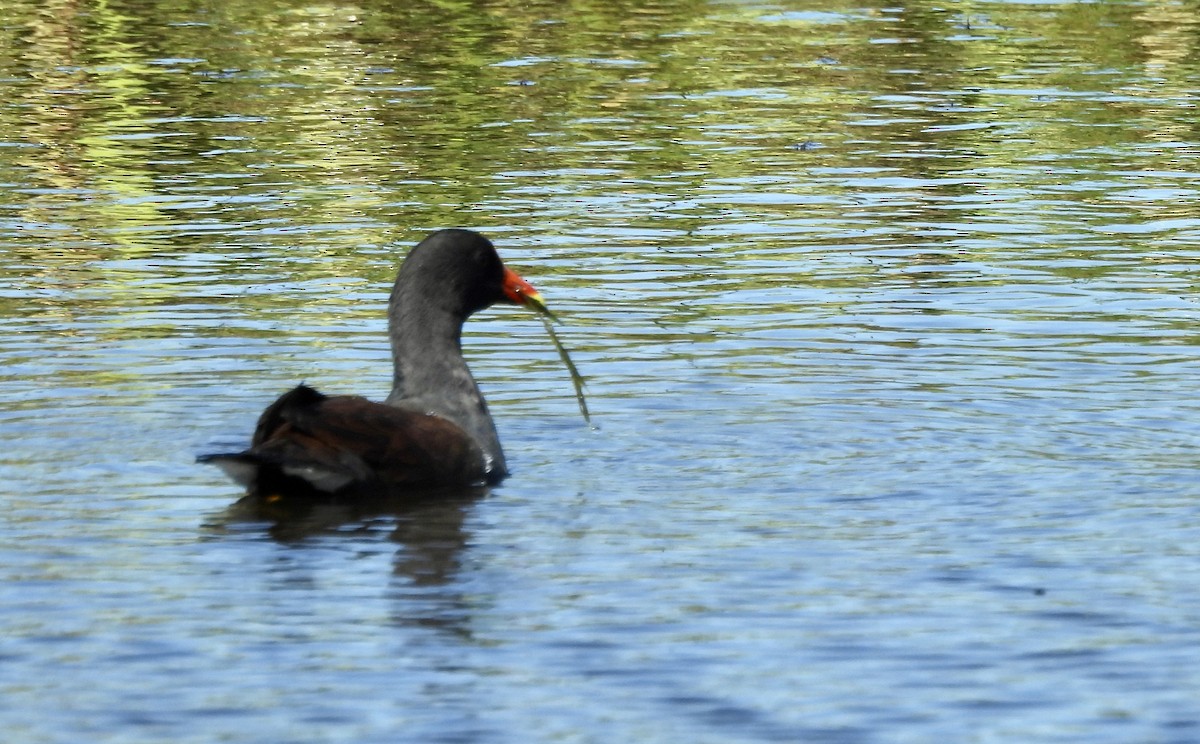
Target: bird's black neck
{"points": [[430, 374]]}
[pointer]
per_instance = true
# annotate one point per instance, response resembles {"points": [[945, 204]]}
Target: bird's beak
{"points": [[520, 292]]}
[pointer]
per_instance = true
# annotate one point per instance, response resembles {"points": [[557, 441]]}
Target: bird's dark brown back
{"points": [[364, 444]]}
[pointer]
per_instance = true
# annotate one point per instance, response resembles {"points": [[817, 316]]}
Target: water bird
{"points": [[434, 429]]}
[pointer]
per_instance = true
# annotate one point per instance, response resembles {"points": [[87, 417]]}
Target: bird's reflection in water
{"points": [[428, 527], [423, 588]]}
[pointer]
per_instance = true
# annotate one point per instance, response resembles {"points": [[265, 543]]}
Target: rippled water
{"points": [[888, 316]]}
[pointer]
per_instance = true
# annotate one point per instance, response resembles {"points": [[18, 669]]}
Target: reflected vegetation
{"points": [[136, 134], [132, 137]]}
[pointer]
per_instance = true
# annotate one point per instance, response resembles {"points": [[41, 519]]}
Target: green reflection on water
{"points": [[311, 140]]}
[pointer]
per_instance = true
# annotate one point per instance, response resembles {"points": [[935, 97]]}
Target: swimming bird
{"points": [[434, 429]]}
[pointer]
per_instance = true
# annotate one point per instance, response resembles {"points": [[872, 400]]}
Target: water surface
{"points": [[888, 316]]}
